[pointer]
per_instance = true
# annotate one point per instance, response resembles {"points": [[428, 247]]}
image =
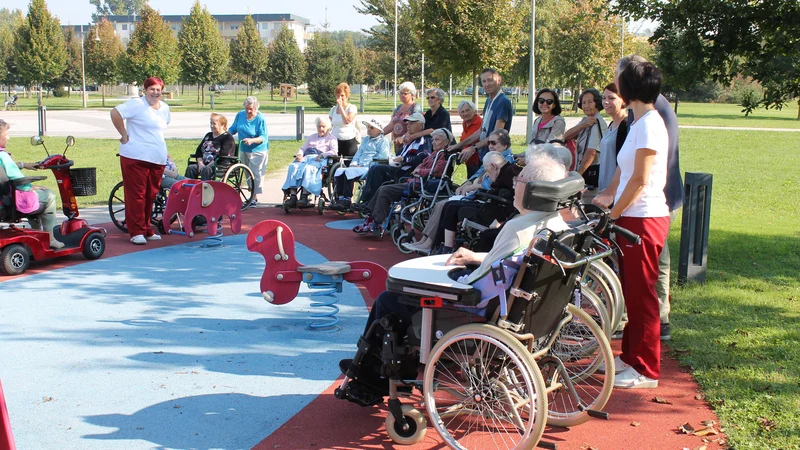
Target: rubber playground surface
{"points": [[171, 345]]}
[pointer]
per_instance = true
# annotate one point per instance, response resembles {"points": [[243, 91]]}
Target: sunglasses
{"points": [[433, 98], [492, 142], [549, 101]]}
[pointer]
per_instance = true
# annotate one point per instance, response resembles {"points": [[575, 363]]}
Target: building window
{"points": [[234, 27], [264, 26], [124, 27]]}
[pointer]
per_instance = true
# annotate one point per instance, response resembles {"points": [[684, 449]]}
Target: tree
{"points": [[118, 7], [104, 55], [351, 62], [39, 49], [72, 74], [464, 37], [10, 21], [249, 54], [152, 50], [323, 71], [409, 52], [285, 60], [204, 54], [726, 39]]}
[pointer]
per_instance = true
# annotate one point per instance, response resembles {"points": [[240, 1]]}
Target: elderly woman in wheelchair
{"points": [[216, 143], [305, 172], [374, 147], [489, 337]]}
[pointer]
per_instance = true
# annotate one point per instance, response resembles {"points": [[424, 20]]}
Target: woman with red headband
{"points": [[141, 123]]}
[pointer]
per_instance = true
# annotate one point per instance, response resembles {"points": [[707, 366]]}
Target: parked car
{"points": [[216, 87], [468, 91]]}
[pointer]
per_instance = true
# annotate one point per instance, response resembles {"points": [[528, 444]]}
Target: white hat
{"points": [[374, 123], [416, 117]]}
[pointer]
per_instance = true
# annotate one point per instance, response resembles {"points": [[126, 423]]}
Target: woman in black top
{"points": [[436, 117], [218, 142]]}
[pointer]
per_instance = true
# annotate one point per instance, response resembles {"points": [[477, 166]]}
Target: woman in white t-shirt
{"points": [[343, 119], [141, 123], [637, 192]]}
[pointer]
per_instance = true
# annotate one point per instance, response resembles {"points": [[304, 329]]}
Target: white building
{"points": [[269, 25]]}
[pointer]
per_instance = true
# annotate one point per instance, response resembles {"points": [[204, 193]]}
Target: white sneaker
{"points": [[154, 237], [619, 366], [631, 379], [139, 239]]}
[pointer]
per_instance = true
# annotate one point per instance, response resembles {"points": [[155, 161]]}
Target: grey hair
{"points": [[543, 168], [554, 151], [407, 86], [627, 59], [495, 158], [443, 132], [439, 93], [468, 103], [323, 120], [4, 126], [250, 101]]}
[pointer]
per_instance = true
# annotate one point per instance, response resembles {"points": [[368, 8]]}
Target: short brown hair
{"points": [[342, 88], [222, 120]]}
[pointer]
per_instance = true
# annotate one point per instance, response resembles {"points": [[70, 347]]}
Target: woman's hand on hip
{"points": [[124, 139]]}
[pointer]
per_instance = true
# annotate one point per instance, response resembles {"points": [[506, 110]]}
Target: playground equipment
{"points": [[189, 200], [282, 276]]}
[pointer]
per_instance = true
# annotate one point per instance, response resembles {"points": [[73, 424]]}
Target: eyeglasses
{"points": [[492, 142], [405, 93], [433, 98], [549, 101]]}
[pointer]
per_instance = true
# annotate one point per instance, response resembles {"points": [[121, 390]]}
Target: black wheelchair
{"points": [[498, 364]]}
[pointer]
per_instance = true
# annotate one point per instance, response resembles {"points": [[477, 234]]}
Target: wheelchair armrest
{"points": [[497, 198], [27, 180], [380, 161], [227, 158]]}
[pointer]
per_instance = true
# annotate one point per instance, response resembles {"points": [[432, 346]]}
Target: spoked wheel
{"points": [[240, 177], [159, 204], [116, 207], [582, 362], [483, 390], [602, 280], [14, 259], [417, 426], [596, 309]]}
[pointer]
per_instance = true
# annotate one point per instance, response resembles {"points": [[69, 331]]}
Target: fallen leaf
{"points": [[177, 406], [766, 424], [661, 401], [743, 333], [47, 399], [709, 423], [700, 396], [686, 428], [733, 344], [705, 431], [635, 424]]}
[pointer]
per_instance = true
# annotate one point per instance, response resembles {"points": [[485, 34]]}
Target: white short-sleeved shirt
{"points": [[590, 138], [647, 132], [341, 131], [145, 126]]}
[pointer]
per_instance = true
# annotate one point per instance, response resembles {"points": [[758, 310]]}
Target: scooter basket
{"points": [[84, 181]]}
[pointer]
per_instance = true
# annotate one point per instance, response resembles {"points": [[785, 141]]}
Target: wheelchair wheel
{"points": [[481, 387], [417, 426], [320, 205], [240, 177], [14, 259], [580, 349], [116, 207], [601, 280], [405, 238]]}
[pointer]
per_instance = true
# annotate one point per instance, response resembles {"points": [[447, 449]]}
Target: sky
{"points": [[341, 13]]}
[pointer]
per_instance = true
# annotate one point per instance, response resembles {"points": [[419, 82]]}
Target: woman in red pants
{"points": [[141, 123], [637, 191]]}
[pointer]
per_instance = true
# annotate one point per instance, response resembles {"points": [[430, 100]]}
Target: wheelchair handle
{"points": [[605, 252], [629, 236], [489, 196]]}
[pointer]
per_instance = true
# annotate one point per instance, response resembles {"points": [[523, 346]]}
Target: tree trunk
{"points": [[475, 86], [198, 93], [676, 103], [798, 109], [103, 88], [271, 92], [202, 95]]}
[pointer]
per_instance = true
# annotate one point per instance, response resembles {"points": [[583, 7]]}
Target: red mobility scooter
{"points": [[19, 242]]}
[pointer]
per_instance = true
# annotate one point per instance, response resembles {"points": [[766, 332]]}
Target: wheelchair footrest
{"points": [[598, 414]]}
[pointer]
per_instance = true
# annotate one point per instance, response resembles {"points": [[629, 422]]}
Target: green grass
{"points": [[727, 115], [739, 332]]}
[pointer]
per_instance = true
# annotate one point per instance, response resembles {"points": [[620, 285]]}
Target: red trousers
{"points": [[641, 342], [141, 181]]}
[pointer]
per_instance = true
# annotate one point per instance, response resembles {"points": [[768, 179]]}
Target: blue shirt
{"points": [[494, 110], [250, 129], [371, 148]]}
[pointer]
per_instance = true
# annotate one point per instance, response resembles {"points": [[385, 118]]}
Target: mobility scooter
{"points": [[19, 242]]}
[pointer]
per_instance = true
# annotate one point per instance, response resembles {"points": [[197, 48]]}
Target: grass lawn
{"points": [[739, 333]]}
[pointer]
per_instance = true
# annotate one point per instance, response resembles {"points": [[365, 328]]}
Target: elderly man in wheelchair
{"points": [[477, 322]]}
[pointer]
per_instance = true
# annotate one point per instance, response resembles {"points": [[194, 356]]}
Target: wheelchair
{"points": [[116, 208], [498, 365], [324, 200], [237, 175]]}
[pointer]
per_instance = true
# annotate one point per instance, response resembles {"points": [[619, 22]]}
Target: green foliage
{"points": [[39, 49], [10, 21], [323, 70], [369, 60], [249, 54], [152, 50], [116, 7], [360, 39], [104, 54], [285, 63], [725, 39], [351, 62], [72, 74], [204, 54], [409, 52]]}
